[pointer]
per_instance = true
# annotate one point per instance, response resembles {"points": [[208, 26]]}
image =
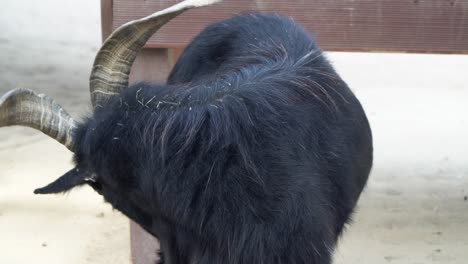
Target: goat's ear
{"points": [[74, 177]]}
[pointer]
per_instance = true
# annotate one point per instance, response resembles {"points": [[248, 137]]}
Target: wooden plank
{"points": [[436, 26]]}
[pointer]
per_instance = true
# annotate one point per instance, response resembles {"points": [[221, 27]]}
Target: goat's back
{"points": [[256, 149]]}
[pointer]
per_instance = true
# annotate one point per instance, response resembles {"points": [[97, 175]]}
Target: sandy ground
{"points": [[414, 210]]}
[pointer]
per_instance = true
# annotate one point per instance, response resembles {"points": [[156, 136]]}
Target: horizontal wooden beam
{"points": [[433, 26]]}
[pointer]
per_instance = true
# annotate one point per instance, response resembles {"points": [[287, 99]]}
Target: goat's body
{"points": [[254, 152]]}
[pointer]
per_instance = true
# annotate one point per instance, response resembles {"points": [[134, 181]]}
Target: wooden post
{"points": [[150, 65], [143, 245]]}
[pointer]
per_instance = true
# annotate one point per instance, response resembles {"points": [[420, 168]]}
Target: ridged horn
{"points": [[114, 60], [26, 108]]}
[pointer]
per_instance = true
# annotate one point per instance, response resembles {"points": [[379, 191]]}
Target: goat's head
{"points": [[109, 77]]}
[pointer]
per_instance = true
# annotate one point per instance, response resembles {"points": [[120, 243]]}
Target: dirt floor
{"points": [[414, 210]]}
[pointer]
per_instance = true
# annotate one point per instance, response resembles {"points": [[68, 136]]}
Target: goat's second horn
{"points": [[26, 108], [114, 60]]}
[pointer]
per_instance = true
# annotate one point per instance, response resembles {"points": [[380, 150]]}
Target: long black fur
{"points": [[255, 151]]}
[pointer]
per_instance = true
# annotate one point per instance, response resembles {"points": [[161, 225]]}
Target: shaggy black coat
{"points": [[255, 151]]}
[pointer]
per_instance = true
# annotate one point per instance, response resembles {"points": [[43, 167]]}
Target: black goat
{"points": [[255, 151]]}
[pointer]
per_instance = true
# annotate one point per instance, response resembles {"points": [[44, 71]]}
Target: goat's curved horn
{"points": [[114, 60], [26, 108]]}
